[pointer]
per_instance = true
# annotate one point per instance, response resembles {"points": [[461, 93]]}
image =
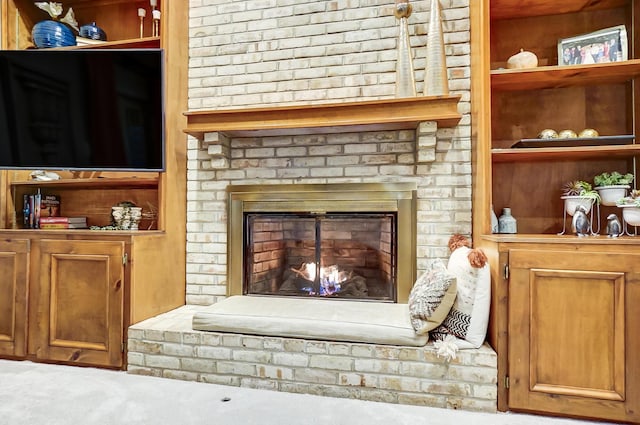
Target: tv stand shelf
{"points": [[96, 182]]}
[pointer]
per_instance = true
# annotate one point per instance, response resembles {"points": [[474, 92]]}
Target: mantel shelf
{"points": [[375, 115]]}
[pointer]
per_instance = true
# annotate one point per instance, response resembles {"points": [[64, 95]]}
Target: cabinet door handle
{"points": [[118, 284]]}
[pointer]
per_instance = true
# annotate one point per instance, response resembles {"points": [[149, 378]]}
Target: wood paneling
{"points": [[14, 282], [568, 333]]}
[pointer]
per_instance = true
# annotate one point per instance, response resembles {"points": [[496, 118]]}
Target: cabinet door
{"points": [[80, 302], [14, 264], [573, 333]]}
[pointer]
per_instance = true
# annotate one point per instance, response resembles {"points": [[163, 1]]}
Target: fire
{"points": [[330, 277]]}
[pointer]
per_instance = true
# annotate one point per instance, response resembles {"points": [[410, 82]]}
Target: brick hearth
{"points": [[166, 346]]}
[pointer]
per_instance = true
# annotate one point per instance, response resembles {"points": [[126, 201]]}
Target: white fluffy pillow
{"points": [[431, 297], [469, 316]]}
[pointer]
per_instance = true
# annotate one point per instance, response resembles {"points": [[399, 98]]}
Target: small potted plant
{"points": [[630, 208], [612, 186], [579, 192]]}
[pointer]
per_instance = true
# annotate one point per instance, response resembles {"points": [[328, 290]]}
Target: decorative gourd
{"points": [[523, 59]]}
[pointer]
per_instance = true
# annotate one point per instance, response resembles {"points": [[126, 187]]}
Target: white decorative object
{"points": [[522, 60], [405, 78], [141, 14], [156, 23], [436, 81], [506, 222], [609, 195], [126, 217]]}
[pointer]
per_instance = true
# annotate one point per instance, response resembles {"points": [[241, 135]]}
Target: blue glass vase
{"points": [[52, 34]]}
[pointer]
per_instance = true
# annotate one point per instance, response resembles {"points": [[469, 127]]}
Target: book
{"points": [[63, 220], [63, 226], [49, 206]]}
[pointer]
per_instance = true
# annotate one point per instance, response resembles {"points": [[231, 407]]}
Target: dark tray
{"points": [[625, 139]]}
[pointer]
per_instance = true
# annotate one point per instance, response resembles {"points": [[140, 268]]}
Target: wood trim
{"points": [[373, 115], [547, 77]]}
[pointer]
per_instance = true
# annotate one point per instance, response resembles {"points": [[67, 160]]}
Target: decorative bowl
{"points": [[548, 133], [631, 214], [567, 134], [93, 32], [52, 34]]}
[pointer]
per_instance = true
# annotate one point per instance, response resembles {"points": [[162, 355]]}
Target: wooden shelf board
{"points": [[375, 115], [128, 182], [567, 153], [546, 77], [510, 9], [602, 239], [133, 43]]}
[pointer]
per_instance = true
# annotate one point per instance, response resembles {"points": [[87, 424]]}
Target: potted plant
{"points": [[630, 208], [579, 192], [612, 186]]}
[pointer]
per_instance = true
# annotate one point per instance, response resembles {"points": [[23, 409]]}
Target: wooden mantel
{"points": [[374, 115]]}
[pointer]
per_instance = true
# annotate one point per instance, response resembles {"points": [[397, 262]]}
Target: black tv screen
{"points": [[82, 109]]}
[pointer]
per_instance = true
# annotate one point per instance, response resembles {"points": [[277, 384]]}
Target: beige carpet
{"points": [[43, 394]]}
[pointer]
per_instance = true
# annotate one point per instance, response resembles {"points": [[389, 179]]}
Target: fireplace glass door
{"points": [[338, 255]]}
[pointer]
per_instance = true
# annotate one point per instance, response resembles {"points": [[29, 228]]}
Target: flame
{"points": [[330, 277]]}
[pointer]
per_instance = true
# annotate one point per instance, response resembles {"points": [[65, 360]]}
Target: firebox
{"points": [[339, 255], [333, 241]]}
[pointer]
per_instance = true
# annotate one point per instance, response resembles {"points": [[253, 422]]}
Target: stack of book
{"points": [[63, 222], [37, 206]]}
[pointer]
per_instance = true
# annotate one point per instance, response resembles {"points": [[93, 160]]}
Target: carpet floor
{"points": [[45, 394]]}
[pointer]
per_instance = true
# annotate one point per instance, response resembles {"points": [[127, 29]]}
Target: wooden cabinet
{"points": [[14, 265], [572, 342], [562, 320], [79, 301], [72, 294]]}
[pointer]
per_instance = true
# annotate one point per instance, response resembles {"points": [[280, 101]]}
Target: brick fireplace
{"points": [[314, 53], [361, 236], [270, 55]]}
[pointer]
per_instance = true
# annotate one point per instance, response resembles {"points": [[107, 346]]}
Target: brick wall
{"points": [[269, 52]]}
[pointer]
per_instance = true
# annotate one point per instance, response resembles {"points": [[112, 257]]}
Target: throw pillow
{"points": [[469, 317], [431, 297]]}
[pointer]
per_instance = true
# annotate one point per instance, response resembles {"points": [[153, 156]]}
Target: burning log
{"points": [[333, 282]]}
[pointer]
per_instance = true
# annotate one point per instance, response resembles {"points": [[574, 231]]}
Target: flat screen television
{"points": [[82, 109]]}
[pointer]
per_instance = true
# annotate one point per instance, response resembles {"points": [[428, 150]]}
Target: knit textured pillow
{"points": [[431, 297], [469, 316]]}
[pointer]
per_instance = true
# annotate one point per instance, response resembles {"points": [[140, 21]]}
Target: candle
{"points": [[142, 13]]}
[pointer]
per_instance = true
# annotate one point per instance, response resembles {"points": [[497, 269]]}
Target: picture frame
{"points": [[602, 46]]}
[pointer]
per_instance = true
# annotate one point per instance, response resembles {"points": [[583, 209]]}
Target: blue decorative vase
{"points": [[52, 34], [93, 32]]}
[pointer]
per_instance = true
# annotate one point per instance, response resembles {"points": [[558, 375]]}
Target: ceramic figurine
{"points": [[614, 227], [580, 222]]}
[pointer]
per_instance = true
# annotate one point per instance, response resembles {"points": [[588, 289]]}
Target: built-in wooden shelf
{"points": [[374, 115], [129, 182], [563, 153], [549, 77], [133, 43], [511, 9]]}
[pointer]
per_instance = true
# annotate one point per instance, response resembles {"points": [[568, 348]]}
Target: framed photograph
{"points": [[605, 45]]}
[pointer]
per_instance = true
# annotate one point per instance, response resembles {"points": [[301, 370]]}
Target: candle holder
{"points": [[405, 78], [156, 22], [141, 14]]}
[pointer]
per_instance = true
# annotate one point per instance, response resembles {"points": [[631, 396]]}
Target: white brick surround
{"points": [[273, 52], [249, 53]]}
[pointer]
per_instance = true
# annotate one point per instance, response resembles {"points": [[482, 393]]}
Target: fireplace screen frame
{"points": [[340, 255], [398, 198]]}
